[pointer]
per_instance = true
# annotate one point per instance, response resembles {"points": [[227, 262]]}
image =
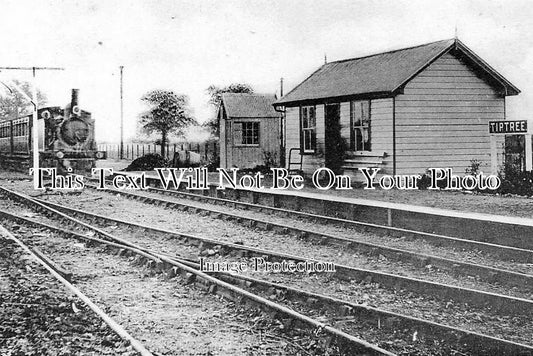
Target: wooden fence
{"points": [[206, 150]]}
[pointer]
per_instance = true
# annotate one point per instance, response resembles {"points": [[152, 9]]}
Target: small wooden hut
{"points": [[250, 130]]}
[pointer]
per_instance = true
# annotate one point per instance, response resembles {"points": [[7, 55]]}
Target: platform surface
{"points": [[339, 197]]}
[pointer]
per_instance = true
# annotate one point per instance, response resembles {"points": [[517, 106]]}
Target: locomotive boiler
{"points": [[65, 135]]}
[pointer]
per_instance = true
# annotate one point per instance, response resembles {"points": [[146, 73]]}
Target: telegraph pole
{"points": [[35, 131], [121, 114]]}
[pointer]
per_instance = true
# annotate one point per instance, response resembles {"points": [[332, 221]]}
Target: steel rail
{"points": [[502, 251], [375, 315], [117, 328], [273, 201], [499, 302], [223, 288], [456, 267]]}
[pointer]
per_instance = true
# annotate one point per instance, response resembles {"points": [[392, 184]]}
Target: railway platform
{"points": [[469, 222]]}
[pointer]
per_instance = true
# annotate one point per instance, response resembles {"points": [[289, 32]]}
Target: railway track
{"points": [[328, 337], [61, 277], [343, 306], [505, 252], [369, 214], [205, 246], [496, 301], [505, 277]]}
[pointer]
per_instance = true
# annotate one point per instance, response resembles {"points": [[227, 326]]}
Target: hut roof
{"points": [[249, 105], [385, 73]]}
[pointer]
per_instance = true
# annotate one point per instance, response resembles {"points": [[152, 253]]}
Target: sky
{"points": [[186, 46]]}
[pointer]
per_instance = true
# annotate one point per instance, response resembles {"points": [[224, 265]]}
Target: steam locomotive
{"points": [[66, 139]]}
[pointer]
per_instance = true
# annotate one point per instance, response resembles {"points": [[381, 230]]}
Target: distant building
{"points": [[403, 111], [250, 130]]}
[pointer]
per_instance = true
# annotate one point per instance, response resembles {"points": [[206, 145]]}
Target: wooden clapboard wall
{"points": [[234, 154], [442, 119], [311, 161], [381, 125], [381, 116]]}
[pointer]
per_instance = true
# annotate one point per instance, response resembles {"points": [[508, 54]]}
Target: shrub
{"points": [[148, 162], [259, 168], [425, 181], [336, 148], [213, 162], [474, 167], [270, 159], [515, 181]]}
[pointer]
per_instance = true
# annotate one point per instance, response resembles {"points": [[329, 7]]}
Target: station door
{"points": [[515, 151]]}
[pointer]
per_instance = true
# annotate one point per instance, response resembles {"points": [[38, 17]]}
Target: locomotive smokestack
{"points": [[74, 99]]}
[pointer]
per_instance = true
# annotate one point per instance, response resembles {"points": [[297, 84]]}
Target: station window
{"points": [[250, 133], [308, 125], [360, 133], [246, 133]]}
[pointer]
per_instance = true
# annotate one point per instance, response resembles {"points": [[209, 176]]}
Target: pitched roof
{"points": [[382, 73], [249, 105]]}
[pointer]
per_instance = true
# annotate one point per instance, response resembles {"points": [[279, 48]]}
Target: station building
{"points": [[250, 131], [403, 111]]}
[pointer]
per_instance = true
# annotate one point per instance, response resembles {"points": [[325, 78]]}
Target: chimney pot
{"points": [[74, 99]]}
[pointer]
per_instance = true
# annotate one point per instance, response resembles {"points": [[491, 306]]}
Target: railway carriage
{"points": [[66, 139]]}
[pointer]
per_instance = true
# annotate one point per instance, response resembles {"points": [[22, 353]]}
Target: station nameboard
{"points": [[508, 127]]}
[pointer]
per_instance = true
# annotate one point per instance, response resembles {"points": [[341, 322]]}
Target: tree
{"points": [[169, 112], [215, 98], [13, 104]]}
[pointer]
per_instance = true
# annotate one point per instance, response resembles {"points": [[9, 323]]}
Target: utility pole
{"points": [[35, 131], [121, 115]]}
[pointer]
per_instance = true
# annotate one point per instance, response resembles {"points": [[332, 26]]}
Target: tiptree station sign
{"points": [[508, 127]]}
